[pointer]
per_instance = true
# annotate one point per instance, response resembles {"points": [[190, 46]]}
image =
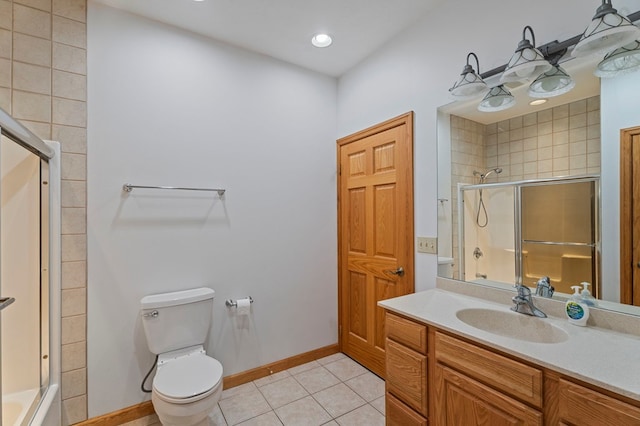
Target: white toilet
{"points": [[188, 382]]}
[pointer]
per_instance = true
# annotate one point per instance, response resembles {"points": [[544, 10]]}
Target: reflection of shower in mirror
{"points": [[485, 175], [481, 206]]}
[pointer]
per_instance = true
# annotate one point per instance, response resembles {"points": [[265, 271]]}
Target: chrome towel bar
{"points": [[127, 187]]}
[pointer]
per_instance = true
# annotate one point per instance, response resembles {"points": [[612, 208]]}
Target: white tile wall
{"points": [[43, 84]]}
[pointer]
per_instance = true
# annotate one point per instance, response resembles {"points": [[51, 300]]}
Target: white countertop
{"points": [[608, 359]]}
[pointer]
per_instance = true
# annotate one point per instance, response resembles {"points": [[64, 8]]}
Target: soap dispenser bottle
{"points": [[586, 295], [577, 311]]}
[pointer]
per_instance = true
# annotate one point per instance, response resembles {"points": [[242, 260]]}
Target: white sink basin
{"points": [[512, 325]]}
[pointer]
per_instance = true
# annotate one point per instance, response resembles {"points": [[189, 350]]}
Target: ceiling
{"points": [[283, 29]]}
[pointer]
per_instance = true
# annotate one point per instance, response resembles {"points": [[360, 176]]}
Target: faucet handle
{"points": [[544, 282], [523, 290], [544, 287]]}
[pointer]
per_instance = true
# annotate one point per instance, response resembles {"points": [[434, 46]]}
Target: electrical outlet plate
{"points": [[428, 245]]}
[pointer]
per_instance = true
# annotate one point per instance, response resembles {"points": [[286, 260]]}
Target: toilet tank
{"points": [[178, 319]]}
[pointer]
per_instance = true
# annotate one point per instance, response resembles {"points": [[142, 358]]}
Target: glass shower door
{"points": [[559, 234], [21, 275]]}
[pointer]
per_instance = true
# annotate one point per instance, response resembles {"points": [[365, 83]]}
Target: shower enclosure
{"points": [[530, 229], [29, 283]]}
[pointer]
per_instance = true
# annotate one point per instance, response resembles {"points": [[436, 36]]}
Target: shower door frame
{"points": [[595, 247], [16, 133]]}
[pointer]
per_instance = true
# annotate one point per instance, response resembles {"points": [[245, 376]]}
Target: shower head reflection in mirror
{"points": [[485, 175], [482, 218]]}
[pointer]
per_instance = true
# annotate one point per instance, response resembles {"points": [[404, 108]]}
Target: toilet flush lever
{"points": [[152, 314]]}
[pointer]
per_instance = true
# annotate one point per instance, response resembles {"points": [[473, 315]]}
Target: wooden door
{"points": [[375, 233], [461, 400], [630, 216]]}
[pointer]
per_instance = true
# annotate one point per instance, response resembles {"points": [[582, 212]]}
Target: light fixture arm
{"points": [[533, 36], [553, 55], [604, 9], [477, 62], [555, 46]]}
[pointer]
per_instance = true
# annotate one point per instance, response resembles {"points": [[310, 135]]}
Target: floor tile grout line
{"points": [[334, 418], [340, 381], [275, 408]]}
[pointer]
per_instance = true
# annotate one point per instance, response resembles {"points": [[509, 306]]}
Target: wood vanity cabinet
{"points": [[406, 378], [435, 378], [582, 406], [474, 386]]}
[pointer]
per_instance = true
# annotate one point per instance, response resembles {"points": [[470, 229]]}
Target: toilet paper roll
{"points": [[244, 307]]}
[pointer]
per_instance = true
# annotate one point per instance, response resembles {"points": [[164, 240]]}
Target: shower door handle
{"points": [[6, 301]]}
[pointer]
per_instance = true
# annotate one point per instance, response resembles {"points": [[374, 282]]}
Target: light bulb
{"points": [[321, 40]]}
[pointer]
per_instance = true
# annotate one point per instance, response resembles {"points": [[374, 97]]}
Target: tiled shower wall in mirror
{"points": [[43, 84], [559, 141]]}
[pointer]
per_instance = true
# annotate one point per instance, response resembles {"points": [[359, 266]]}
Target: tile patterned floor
{"points": [[330, 391]]}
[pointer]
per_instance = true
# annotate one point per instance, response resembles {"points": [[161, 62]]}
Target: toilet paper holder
{"points": [[234, 303]]}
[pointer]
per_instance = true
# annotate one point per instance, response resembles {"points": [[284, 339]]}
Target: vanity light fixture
{"points": [[470, 84], [621, 61], [607, 31], [321, 40], [527, 62], [552, 83], [498, 99]]}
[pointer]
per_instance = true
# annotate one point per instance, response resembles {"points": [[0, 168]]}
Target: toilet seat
{"points": [[187, 379]]}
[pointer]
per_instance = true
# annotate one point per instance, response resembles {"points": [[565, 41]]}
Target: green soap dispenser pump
{"points": [[577, 311]]}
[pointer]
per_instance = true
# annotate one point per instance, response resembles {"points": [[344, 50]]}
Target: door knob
{"points": [[399, 272]]}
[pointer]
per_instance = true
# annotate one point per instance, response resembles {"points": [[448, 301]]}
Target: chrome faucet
{"points": [[524, 302], [544, 288]]}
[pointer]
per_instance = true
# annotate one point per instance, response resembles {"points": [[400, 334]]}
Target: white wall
{"points": [[169, 107], [619, 104], [416, 69]]}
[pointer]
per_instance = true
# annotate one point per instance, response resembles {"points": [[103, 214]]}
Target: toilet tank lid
{"points": [[176, 298]]}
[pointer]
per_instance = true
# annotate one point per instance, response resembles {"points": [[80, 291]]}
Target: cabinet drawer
{"points": [[506, 375], [407, 332], [398, 414], [407, 375], [583, 406]]}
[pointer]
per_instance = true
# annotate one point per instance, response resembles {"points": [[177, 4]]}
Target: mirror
{"points": [[558, 142]]}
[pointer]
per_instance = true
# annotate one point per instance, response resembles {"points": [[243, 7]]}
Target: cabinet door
{"points": [[581, 406], [460, 400]]}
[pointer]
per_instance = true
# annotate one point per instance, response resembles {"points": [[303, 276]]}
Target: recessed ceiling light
{"points": [[536, 102], [321, 40]]}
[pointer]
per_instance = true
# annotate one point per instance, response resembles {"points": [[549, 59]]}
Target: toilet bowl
{"points": [[188, 383], [186, 387]]}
